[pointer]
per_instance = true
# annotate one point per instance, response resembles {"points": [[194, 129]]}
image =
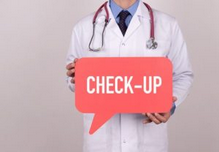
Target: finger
{"points": [[153, 118], [70, 66], [71, 72], [161, 118], [146, 121], [144, 114], [73, 80], [174, 99], [75, 60]]}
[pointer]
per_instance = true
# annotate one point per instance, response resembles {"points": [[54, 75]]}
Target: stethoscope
{"points": [[151, 43]]}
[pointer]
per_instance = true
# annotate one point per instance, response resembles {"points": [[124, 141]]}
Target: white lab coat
{"points": [[126, 132]]}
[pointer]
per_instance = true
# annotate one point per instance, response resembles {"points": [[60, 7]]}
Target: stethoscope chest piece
{"points": [[152, 44]]}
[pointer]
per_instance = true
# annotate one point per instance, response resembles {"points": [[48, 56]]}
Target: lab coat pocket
{"points": [[161, 51]]}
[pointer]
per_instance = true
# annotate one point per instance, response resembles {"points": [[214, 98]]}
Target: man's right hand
{"points": [[71, 70]]}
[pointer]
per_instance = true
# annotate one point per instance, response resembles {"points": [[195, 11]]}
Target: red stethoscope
{"points": [[151, 43]]}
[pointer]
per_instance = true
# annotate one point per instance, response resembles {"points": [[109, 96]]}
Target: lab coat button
{"points": [[124, 141]]}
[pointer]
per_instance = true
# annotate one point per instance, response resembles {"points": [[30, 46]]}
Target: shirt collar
{"points": [[116, 9]]}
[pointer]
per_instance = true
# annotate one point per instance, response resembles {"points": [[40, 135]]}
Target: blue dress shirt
{"points": [[116, 9]]}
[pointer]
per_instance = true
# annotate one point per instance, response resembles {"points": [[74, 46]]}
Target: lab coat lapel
{"points": [[113, 26], [141, 12], [134, 24]]}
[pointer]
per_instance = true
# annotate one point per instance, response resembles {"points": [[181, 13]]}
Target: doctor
{"points": [[126, 35]]}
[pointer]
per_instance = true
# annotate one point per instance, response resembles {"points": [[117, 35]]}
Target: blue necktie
{"points": [[122, 17]]}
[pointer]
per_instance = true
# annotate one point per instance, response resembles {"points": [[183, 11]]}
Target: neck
{"points": [[125, 4]]}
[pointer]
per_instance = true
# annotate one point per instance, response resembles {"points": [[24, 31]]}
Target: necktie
{"points": [[122, 17]]}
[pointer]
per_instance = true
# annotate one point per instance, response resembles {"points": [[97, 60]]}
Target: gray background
{"points": [[37, 111]]}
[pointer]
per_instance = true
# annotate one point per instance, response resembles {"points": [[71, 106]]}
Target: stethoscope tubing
{"points": [[151, 44]]}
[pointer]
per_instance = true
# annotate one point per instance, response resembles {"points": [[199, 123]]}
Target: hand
{"points": [[71, 70], [158, 118]]}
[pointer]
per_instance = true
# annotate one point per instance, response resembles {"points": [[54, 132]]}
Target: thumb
{"points": [[174, 99], [75, 60]]}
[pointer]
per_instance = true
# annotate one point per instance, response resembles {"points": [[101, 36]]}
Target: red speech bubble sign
{"points": [[106, 86]]}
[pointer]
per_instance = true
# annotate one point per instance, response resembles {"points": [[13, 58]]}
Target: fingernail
{"points": [[145, 122]]}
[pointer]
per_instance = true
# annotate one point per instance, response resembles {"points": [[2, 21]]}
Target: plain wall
{"points": [[37, 112]]}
